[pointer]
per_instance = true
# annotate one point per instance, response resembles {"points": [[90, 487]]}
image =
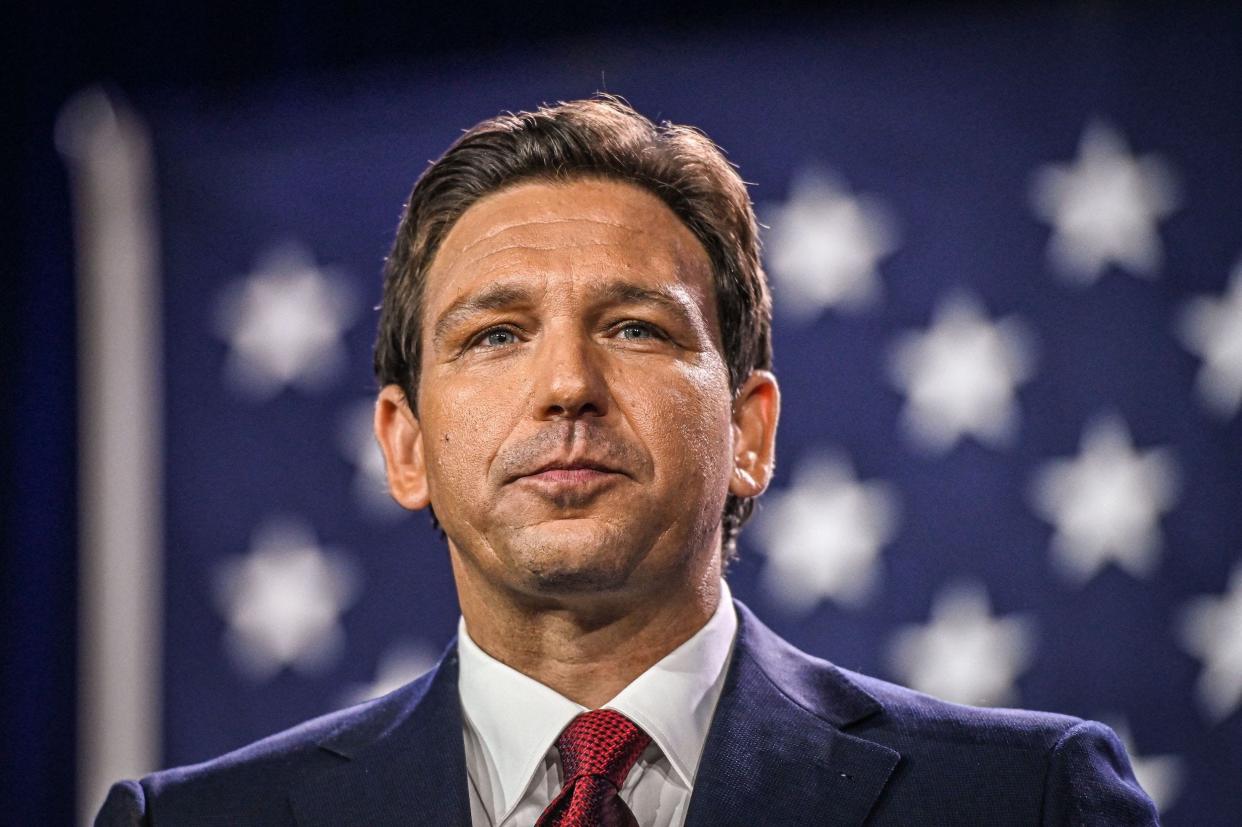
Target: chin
{"points": [[566, 581], [575, 556]]}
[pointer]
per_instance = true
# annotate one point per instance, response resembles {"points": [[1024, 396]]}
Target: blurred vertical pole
{"points": [[108, 153]]}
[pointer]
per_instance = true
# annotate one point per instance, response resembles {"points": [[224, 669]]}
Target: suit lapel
{"points": [[776, 753], [407, 766]]}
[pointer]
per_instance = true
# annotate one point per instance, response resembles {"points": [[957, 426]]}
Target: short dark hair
{"points": [[599, 137]]}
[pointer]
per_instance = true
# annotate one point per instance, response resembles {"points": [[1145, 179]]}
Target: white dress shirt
{"points": [[511, 722]]}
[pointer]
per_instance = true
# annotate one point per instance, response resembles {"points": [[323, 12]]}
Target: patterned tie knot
{"points": [[603, 743]]}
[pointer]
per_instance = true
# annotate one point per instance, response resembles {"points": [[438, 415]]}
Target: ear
{"points": [[756, 409], [400, 437]]}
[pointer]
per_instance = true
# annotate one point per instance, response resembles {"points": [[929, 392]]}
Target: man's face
{"points": [[575, 423]]}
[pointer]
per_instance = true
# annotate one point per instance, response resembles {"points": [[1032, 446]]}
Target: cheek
{"points": [[685, 419], [463, 430]]}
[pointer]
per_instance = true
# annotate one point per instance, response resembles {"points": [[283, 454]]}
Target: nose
{"points": [[569, 381]]}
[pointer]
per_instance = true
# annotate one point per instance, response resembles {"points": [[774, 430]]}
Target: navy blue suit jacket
{"points": [[795, 741]]}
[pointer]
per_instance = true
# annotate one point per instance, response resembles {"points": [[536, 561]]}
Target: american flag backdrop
{"points": [[1006, 258]]}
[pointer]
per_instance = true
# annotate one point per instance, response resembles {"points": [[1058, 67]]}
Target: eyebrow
{"points": [[621, 292], [500, 296], [495, 297]]}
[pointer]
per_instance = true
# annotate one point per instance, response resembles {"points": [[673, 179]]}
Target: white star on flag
{"points": [[284, 324], [283, 601], [823, 534], [356, 439], [1106, 503], [824, 245], [1159, 775], [1105, 207], [960, 376], [399, 665], [1212, 631], [964, 654], [1212, 330]]}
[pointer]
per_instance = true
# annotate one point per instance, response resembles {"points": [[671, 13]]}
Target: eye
{"points": [[496, 337], [639, 330]]}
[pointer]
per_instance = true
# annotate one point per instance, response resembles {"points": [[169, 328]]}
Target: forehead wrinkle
{"points": [[543, 248], [645, 256], [544, 222]]}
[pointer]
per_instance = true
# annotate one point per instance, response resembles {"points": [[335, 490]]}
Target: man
{"points": [[574, 353]]}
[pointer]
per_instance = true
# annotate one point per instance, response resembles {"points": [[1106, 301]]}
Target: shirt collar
{"points": [[518, 719], [675, 699], [515, 717]]}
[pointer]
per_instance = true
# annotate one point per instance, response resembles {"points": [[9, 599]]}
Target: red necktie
{"points": [[597, 751]]}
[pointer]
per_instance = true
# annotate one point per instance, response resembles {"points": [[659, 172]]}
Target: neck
{"points": [[586, 647]]}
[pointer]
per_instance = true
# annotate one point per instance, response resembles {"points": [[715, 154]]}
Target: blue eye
{"points": [[498, 337], [635, 330]]}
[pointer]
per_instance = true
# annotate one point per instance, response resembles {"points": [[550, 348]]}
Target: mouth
{"points": [[568, 475], [559, 477]]}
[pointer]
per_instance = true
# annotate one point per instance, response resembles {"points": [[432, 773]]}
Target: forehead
{"points": [[582, 229]]}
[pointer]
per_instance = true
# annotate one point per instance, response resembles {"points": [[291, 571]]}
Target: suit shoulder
{"points": [[1013, 765], [251, 785], [954, 764], [275, 752], [248, 785], [923, 717], [894, 715]]}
